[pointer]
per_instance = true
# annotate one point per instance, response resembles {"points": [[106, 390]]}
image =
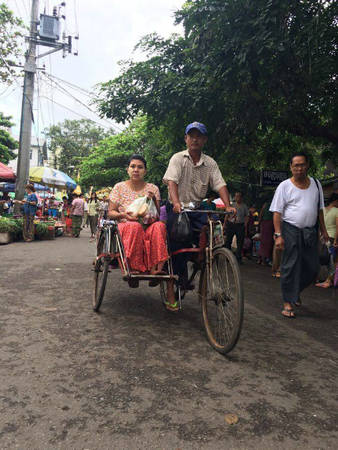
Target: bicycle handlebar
{"points": [[108, 222], [207, 211]]}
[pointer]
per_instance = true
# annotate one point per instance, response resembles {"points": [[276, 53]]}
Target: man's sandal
{"points": [[172, 307], [324, 284], [288, 313]]}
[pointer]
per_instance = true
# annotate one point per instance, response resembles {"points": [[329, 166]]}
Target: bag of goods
{"points": [[144, 209], [181, 228]]}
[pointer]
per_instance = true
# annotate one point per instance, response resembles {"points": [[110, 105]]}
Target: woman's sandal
{"points": [[172, 307], [288, 313], [298, 303]]}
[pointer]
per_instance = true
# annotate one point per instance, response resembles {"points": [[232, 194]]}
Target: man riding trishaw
{"points": [[155, 251], [189, 175]]}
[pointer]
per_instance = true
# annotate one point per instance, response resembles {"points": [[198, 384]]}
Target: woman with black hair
{"points": [[146, 250], [93, 213]]}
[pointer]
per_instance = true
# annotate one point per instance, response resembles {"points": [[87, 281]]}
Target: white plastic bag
{"points": [[137, 206], [144, 209], [151, 215]]}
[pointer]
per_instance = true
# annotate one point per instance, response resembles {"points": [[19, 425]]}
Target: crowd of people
{"points": [[74, 211], [81, 211], [282, 234]]}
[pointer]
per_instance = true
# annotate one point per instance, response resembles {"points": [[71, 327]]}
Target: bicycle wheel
{"points": [[100, 274], [222, 301]]}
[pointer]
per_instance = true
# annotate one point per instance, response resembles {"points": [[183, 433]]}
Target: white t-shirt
{"points": [[299, 207]]}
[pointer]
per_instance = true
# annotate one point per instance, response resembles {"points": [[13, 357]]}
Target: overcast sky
{"points": [[108, 31]]}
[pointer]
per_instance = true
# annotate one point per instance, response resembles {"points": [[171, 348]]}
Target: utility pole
{"points": [[48, 35], [27, 107]]}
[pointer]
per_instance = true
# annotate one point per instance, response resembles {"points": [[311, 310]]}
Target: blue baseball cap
{"points": [[198, 126]]}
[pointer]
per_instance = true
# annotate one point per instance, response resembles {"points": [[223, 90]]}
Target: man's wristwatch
{"points": [[277, 235]]}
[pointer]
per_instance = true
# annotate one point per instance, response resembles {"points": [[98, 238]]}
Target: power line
{"points": [[39, 101], [51, 90], [81, 103], [75, 17], [25, 7], [4, 91], [71, 110], [18, 9], [11, 92], [85, 91]]}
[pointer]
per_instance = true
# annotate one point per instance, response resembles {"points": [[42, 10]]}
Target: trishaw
{"points": [[220, 291]]}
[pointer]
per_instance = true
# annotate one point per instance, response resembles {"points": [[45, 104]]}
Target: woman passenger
{"points": [[145, 250]]}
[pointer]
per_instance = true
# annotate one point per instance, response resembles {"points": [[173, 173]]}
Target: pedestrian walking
{"points": [[85, 214], [331, 223], [77, 211], [93, 213], [237, 226], [297, 208], [266, 234]]}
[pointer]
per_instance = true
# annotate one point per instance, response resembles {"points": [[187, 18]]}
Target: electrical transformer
{"points": [[49, 27]]}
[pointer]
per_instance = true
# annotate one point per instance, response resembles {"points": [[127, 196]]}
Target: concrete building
{"points": [[38, 155]]}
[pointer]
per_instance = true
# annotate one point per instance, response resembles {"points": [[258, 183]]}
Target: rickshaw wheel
{"points": [[222, 301]]}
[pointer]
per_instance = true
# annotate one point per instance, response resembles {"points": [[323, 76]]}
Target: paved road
{"points": [[134, 377]]}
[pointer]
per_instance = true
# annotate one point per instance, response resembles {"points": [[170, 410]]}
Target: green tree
{"points": [[7, 143], [262, 75], [72, 140], [106, 165], [11, 29]]}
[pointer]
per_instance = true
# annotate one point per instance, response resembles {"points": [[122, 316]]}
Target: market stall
{"points": [[6, 173], [53, 178]]}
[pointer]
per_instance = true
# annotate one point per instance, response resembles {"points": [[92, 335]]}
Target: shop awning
{"points": [[6, 173]]}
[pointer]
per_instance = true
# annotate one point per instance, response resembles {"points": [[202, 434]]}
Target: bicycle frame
{"points": [[109, 227], [208, 250]]}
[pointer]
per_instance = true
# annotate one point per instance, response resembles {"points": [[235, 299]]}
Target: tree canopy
{"points": [[72, 140], [261, 75], [7, 143], [11, 29], [106, 165]]}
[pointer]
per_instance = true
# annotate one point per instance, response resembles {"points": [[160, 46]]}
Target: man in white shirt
{"points": [[297, 209]]}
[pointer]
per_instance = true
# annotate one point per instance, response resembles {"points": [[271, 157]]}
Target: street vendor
{"points": [[29, 211], [5, 203], [52, 207]]}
